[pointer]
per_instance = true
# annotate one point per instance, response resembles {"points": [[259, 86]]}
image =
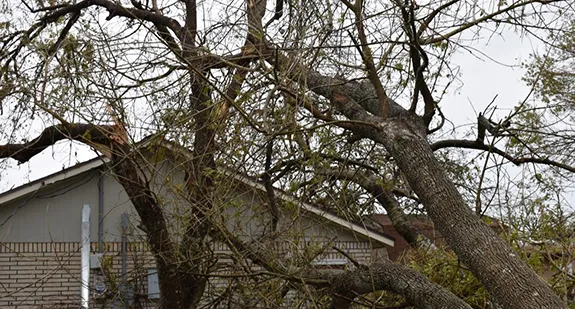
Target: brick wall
{"points": [[47, 275], [33, 271]]}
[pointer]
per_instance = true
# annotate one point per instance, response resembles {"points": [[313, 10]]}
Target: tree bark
{"points": [[494, 263], [417, 290], [403, 134]]}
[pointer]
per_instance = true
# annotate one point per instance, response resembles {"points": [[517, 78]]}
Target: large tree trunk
{"points": [[403, 134], [500, 269]]}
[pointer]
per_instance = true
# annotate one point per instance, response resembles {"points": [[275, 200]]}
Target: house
{"points": [[425, 226], [41, 226]]}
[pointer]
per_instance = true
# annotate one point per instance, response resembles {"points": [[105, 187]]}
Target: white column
{"points": [[85, 250]]}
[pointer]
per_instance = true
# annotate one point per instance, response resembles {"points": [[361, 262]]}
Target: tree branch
{"points": [[374, 185], [64, 33], [367, 57], [420, 62], [92, 135], [116, 10], [486, 17], [425, 24], [417, 290], [458, 143], [189, 37]]}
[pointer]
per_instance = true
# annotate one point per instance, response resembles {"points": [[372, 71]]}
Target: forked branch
{"points": [[367, 56]]}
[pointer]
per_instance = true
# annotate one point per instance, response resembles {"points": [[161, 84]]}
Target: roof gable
{"points": [[35, 186]]}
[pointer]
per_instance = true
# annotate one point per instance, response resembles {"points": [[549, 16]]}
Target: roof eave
{"points": [[37, 185]]}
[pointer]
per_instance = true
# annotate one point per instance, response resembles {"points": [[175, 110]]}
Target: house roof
{"points": [[424, 222], [35, 186], [424, 225]]}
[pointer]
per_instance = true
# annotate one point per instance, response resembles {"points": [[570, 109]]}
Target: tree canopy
{"points": [[336, 102]]}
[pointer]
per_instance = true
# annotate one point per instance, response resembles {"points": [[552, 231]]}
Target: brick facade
{"points": [[47, 275]]}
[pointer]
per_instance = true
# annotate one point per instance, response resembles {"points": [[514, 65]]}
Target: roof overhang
{"points": [[37, 185], [354, 227], [78, 169]]}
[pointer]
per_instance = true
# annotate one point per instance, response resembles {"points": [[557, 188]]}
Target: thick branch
{"points": [[191, 27], [417, 290], [93, 135], [363, 93], [460, 143], [116, 10]]}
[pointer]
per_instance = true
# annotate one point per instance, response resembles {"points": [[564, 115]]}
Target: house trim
{"points": [[315, 210], [37, 185], [78, 169]]}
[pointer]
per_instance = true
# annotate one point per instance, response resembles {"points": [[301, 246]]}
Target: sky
{"points": [[482, 79]]}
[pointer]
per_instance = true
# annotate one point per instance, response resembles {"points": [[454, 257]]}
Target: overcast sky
{"points": [[482, 79]]}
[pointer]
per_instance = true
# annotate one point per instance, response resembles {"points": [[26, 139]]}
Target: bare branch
{"points": [[486, 17], [64, 33], [458, 143], [116, 10], [420, 62], [375, 186], [432, 15]]}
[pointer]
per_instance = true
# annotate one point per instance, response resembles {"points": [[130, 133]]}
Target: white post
{"points": [[85, 250]]}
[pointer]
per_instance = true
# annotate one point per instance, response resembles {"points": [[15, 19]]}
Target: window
{"points": [[153, 285], [330, 264]]}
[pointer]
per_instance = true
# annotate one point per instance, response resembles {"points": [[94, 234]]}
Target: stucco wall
{"points": [[52, 214]]}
